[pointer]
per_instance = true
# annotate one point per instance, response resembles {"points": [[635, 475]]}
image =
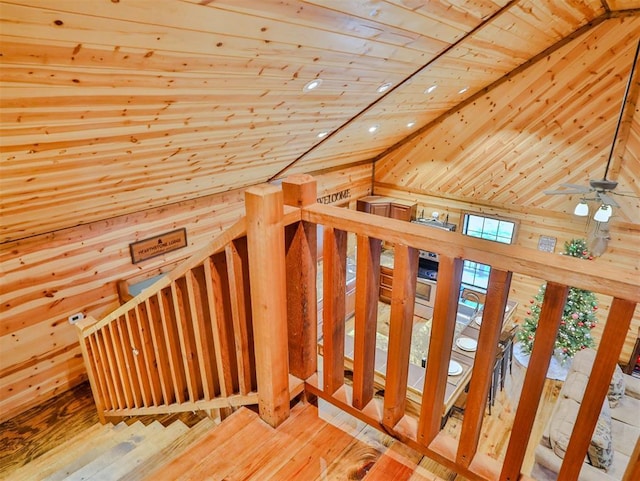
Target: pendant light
{"points": [[582, 209], [603, 214]]}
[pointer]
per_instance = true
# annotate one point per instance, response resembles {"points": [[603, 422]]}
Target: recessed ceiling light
{"points": [[430, 89], [373, 128], [463, 90], [384, 87], [322, 134], [313, 84], [411, 124]]}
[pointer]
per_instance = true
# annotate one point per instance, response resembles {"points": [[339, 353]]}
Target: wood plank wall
{"points": [[49, 277], [622, 250]]}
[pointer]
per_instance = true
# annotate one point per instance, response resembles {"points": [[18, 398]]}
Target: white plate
{"points": [[455, 368], [467, 344], [478, 320]]}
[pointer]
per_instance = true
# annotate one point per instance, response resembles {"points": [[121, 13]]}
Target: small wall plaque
{"points": [[546, 243], [158, 245]]}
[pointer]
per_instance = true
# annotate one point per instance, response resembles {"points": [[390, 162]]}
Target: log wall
{"points": [[49, 277]]}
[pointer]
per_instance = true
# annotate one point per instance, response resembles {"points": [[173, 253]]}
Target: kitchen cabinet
{"points": [[386, 280], [387, 207], [425, 292]]}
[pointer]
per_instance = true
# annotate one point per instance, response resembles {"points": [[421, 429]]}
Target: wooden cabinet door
{"points": [[380, 209]]}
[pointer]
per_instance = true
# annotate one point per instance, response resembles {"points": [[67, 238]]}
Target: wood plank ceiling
{"points": [[114, 106]]}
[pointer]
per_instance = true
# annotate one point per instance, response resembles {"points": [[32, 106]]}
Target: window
{"points": [[488, 228], [474, 274]]}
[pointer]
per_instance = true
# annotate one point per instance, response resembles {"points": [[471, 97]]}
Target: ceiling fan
{"points": [[600, 190]]}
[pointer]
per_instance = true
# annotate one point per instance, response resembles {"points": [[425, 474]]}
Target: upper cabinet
{"points": [[388, 207]]}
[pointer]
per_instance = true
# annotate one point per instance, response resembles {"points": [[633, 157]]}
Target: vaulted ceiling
{"points": [[112, 107]]}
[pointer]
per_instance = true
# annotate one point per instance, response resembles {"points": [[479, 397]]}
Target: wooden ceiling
{"points": [[113, 106]]}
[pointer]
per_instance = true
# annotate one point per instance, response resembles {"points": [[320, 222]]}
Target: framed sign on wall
{"points": [[547, 243], [158, 245]]}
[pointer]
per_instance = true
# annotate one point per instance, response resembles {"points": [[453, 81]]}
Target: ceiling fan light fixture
{"points": [[582, 209], [603, 214]]}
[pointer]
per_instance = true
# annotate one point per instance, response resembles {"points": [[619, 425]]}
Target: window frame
{"points": [[478, 265]]}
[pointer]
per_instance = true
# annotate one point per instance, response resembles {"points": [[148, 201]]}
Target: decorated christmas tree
{"points": [[578, 317]]}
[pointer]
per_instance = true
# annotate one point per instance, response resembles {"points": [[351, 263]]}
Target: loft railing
{"points": [[280, 263]]}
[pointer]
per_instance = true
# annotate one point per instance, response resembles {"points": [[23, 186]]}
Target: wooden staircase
{"points": [[307, 446]]}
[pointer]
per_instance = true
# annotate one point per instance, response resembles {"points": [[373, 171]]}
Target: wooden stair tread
{"points": [[214, 441], [172, 451], [290, 437], [309, 445], [121, 465], [56, 458], [133, 437]]}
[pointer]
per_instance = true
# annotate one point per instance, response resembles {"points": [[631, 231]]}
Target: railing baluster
{"points": [[94, 369], [301, 248], [613, 336], [367, 285], [223, 337], [240, 294], [405, 275], [108, 374], [185, 335], [97, 370], [121, 381], [171, 337], [334, 261], [149, 361], [440, 343], [132, 351], [552, 307], [494, 309], [154, 319], [199, 309]]}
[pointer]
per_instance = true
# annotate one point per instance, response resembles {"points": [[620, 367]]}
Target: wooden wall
{"points": [[49, 277], [532, 223]]}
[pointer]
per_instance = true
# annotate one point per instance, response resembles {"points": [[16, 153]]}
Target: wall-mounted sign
{"points": [[158, 245], [335, 197], [546, 243]]}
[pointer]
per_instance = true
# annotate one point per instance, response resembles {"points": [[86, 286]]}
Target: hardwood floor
{"points": [[40, 429]]}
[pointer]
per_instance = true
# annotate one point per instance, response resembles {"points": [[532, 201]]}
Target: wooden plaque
{"points": [[158, 245]]}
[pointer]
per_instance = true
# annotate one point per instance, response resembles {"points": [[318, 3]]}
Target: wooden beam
{"points": [[483, 364], [334, 261], [555, 297], [265, 236], [440, 343], [403, 294], [367, 282]]}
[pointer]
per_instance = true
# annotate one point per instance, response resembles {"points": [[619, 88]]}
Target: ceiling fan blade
{"points": [[579, 188], [568, 192], [607, 200]]}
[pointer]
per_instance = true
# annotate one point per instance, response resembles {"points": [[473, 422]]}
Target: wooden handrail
{"points": [[562, 269]]}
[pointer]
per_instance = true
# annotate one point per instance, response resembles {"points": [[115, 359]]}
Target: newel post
{"points": [[301, 264], [265, 239]]}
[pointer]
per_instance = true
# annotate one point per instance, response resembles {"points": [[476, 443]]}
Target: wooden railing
{"points": [[203, 356]]}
